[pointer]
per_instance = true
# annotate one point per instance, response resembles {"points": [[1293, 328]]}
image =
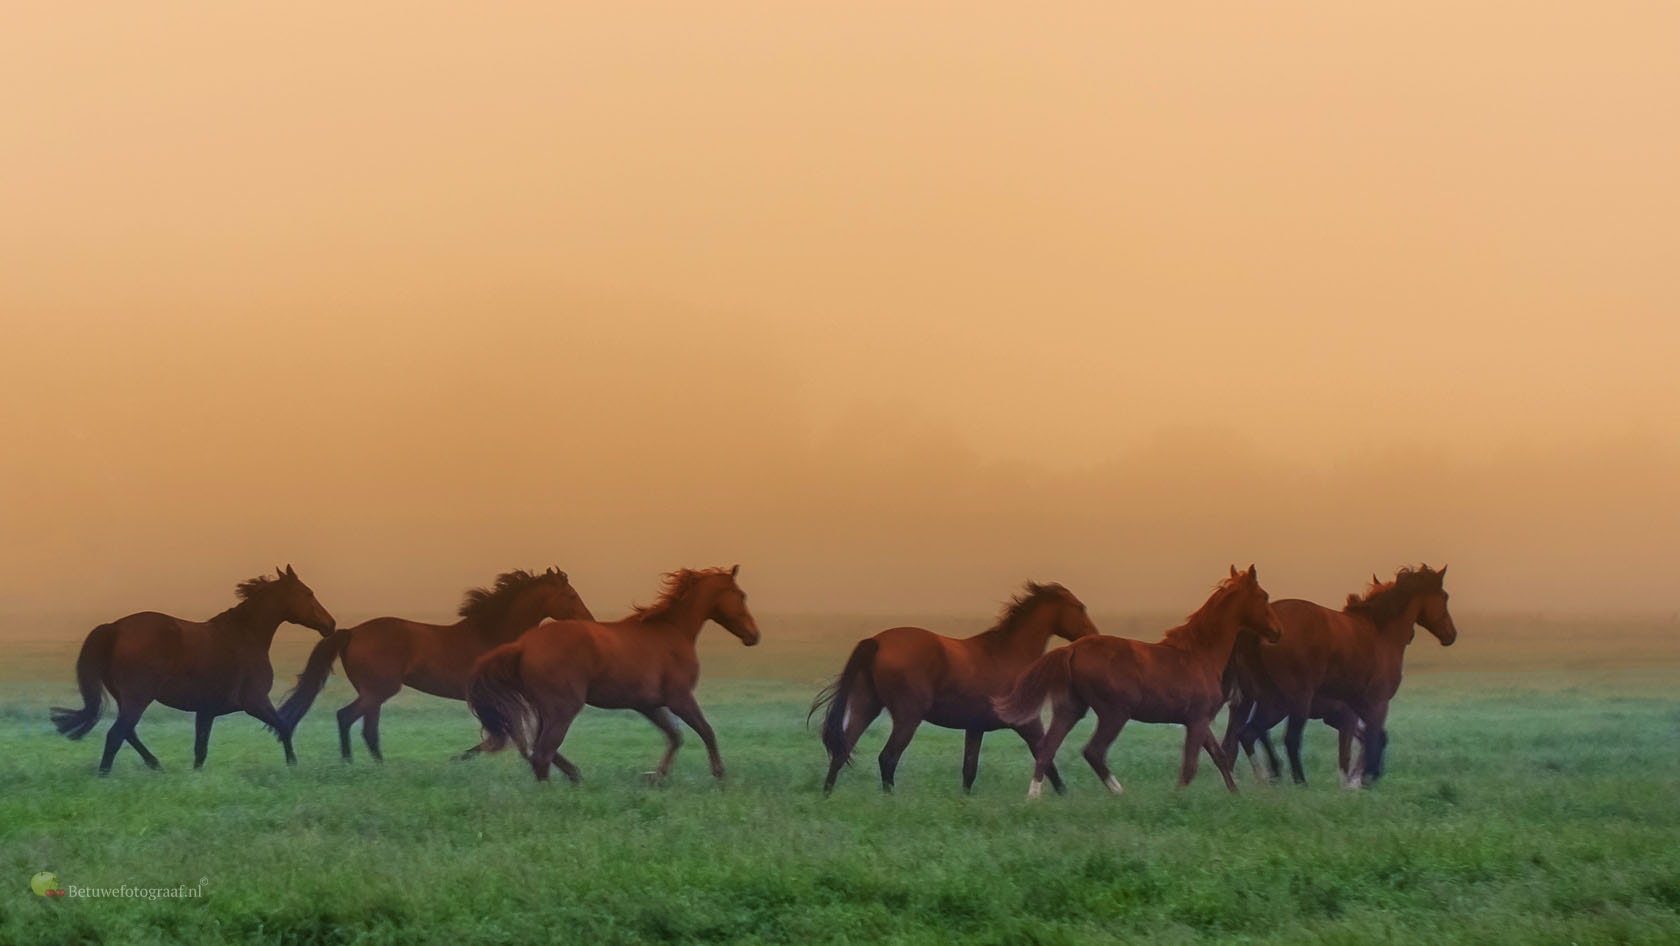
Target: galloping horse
{"points": [[212, 669], [917, 675], [383, 655], [1174, 681], [1341, 666], [645, 662]]}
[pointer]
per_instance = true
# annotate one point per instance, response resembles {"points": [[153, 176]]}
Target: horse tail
{"points": [[314, 676], [838, 695], [1049, 677], [496, 695], [91, 665]]}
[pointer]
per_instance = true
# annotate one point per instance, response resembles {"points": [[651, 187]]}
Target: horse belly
{"points": [[438, 682], [964, 713]]}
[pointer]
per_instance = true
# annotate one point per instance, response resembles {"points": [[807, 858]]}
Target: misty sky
{"points": [[895, 304]]}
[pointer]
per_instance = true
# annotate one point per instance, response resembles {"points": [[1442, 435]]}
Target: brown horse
{"points": [[212, 669], [1174, 681], [917, 676], [383, 655], [1340, 666], [645, 662]]}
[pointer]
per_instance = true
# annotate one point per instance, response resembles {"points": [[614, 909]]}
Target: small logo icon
{"points": [[45, 884]]}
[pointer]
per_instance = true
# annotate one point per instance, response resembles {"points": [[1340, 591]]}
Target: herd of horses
{"points": [[527, 656]]}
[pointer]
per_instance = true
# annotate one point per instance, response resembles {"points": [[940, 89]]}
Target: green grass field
{"points": [[1531, 799]]}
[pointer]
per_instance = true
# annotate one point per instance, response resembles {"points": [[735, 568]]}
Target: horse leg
{"points": [[689, 712], [263, 710], [347, 717], [370, 731], [128, 714], [1236, 721], [1274, 766], [1216, 752], [1033, 733], [1062, 718], [553, 721], [856, 723], [145, 754], [1376, 740], [661, 717], [1292, 745], [904, 727], [201, 736], [971, 757], [1345, 725], [1096, 751], [1192, 752]]}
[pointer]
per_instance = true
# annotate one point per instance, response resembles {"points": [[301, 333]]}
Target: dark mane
{"points": [[248, 591], [1017, 607], [487, 607], [1384, 601], [676, 585], [251, 587], [1186, 632]]}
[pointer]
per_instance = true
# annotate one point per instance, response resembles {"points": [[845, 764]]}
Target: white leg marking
{"points": [[1260, 774], [1035, 789], [1113, 785]]}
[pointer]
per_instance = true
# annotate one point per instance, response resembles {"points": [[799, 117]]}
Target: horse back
{"points": [[1151, 682], [152, 637], [624, 664], [915, 659], [1323, 652], [389, 648]]}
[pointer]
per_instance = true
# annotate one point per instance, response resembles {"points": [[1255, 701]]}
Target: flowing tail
{"points": [[838, 695], [496, 695], [313, 677], [90, 679], [1050, 676]]}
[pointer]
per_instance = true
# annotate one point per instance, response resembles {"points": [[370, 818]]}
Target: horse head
{"points": [[1432, 605], [1072, 620], [1255, 606], [729, 608], [297, 603]]}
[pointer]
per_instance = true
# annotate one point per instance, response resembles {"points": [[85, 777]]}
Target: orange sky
{"points": [[896, 304]]}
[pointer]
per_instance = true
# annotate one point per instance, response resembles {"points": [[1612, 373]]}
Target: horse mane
{"points": [[675, 585], [487, 606], [252, 587], [1017, 607], [248, 591], [1384, 601], [1186, 633]]}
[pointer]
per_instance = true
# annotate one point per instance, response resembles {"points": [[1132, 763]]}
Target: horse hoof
{"points": [[1113, 785], [1035, 791], [651, 779]]}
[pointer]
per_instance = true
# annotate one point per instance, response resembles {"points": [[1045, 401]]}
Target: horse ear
{"points": [[735, 571], [1233, 571], [1375, 581], [1442, 572], [279, 571], [289, 572], [1253, 572], [550, 570]]}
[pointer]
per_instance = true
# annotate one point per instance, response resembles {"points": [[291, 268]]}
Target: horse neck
{"points": [[1398, 631], [250, 622], [1028, 634], [1211, 633], [519, 618], [687, 615]]}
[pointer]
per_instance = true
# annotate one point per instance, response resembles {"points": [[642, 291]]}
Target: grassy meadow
{"points": [[1531, 799]]}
